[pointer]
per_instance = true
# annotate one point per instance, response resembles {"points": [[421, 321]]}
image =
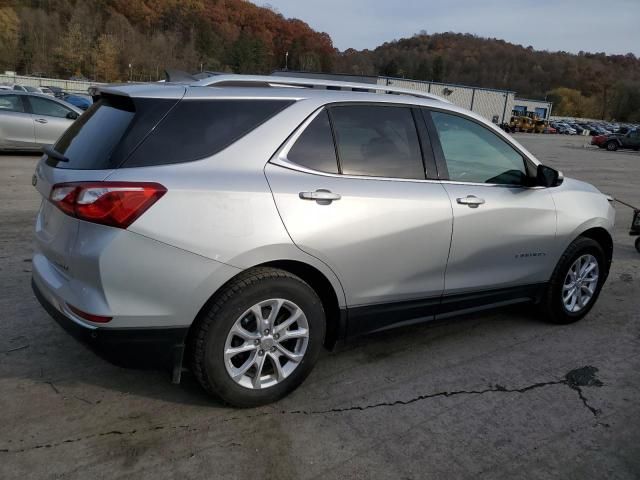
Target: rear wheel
{"points": [[259, 339], [576, 282], [612, 146]]}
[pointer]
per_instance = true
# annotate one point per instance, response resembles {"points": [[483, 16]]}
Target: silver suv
{"points": [[243, 223]]}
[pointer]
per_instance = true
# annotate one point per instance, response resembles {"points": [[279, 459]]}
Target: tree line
{"points": [[120, 40]]}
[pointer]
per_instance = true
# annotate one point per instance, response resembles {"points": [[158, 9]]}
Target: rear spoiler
{"points": [[177, 76]]}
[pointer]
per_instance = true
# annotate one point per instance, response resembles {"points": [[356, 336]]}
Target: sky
{"points": [[611, 26]]}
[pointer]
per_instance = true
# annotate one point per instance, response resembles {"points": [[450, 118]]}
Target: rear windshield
{"points": [[123, 132], [196, 129]]}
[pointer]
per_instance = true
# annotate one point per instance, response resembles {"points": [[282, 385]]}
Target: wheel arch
{"points": [[603, 237], [317, 280], [335, 316]]}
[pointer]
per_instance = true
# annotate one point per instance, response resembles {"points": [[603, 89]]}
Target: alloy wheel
{"points": [[266, 343], [580, 283]]}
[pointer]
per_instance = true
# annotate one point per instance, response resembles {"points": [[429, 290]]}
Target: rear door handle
{"points": [[471, 201], [323, 197], [41, 120]]}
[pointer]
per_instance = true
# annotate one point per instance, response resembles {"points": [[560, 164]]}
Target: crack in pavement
{"points": [[575, 380]]}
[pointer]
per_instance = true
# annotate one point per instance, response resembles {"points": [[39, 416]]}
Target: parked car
{"points": [[168, 222], [613, 142], [81, 101], [29, 89], [29, 121], [577, 128], [565, 129], [57, 91]]}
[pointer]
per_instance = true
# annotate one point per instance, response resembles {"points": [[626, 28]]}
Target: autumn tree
{"points": [[106, 59], [9, 36], [72, 51]]}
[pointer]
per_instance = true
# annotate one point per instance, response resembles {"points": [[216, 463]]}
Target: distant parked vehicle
{"points": [[28, 88], [81, 101], [47, 91], [565, 129], [57, 91], [29, 121], [613, 142], [577, 128]]}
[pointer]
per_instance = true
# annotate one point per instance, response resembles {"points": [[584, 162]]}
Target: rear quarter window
{"points": [[195, 129]]}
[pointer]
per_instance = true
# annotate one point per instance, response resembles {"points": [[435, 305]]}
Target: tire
{"points": [[552, 305], [638, 244], [612, 146], [212, 337]]}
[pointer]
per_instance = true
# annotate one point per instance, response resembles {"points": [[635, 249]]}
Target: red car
{"points": [[599, 140]]}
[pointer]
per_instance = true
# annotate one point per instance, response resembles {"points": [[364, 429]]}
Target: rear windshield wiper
{"points": [[51, 153]]}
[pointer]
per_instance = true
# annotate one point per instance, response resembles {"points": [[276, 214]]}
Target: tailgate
{"points": [[56, 232]]}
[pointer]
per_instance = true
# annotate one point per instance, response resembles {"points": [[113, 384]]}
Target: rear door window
{"points": [[314, 148], [48, 108], [196, 129], [11, 103], [377, 141]]}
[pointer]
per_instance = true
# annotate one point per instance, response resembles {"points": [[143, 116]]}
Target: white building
{"points": [[495, 105]]}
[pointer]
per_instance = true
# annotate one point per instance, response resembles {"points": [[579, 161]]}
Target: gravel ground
{"points": [[499, 395]]}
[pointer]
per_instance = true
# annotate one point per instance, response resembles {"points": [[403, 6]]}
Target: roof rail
{"points": [[235, 80]]}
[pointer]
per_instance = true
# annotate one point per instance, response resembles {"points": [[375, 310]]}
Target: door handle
{"points": [[41, 120], [471, 201], [323, 197]]}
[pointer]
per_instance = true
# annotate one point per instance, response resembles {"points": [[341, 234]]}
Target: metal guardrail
{"points": [[67, 85]]}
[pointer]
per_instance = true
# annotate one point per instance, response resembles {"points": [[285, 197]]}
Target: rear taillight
{"points": [[117, 204]]}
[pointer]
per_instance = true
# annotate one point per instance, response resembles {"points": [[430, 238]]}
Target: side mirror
{"points": [[72, 115], [549, 177]]}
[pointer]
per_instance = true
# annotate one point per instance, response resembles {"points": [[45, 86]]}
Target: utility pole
{"points": [[286, 61]]}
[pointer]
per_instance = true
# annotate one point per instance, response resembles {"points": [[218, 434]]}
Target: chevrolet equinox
{"points": [[241, 223]]}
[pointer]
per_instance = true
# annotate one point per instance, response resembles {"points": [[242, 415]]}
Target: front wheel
{"points": [[638, 244], [576, 282], [259, 338], [612, 146]]}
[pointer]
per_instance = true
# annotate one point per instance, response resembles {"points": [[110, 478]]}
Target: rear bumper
{"points": [[131, 347]]}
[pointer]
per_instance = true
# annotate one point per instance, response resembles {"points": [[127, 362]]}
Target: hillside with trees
{"points": [[118, 40], [584, 85], [99, 39]]}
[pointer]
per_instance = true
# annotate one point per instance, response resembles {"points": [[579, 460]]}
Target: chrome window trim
{"points": [[280, 158]]}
